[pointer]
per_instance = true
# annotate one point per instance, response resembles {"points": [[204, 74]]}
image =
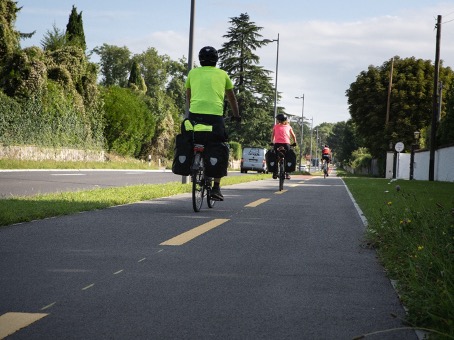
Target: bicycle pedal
{"points": [[217, 199]]}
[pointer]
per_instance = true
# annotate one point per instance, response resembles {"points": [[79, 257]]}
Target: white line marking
{"points": [[48, 306], [88, 287]]}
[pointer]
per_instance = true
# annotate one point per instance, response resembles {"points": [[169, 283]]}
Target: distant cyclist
{"points": [[326, 156], [282, 131], [206, 87]]}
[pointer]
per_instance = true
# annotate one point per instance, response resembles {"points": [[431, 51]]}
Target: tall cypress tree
{"points": [[136, 80], [75, 30], [253, 84]]}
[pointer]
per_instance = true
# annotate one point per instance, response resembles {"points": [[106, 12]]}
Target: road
{"points": [[262, 264], [32, 182]]}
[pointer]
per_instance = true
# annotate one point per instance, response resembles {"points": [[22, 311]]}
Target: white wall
{"points": [[444, 165], [403, 166]]}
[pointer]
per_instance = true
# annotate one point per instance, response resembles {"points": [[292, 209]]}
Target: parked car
{"points": [[253, 159]]}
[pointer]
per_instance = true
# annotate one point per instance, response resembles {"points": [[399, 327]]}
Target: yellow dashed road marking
{"points": [[256, 203], [280, 192], [193, 233], [12, 322]]}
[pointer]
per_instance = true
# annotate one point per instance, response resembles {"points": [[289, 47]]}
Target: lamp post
{"points": [[277, 68], [316, 149], [302, 130], [414, 146], [312, 127], [185, 179]]}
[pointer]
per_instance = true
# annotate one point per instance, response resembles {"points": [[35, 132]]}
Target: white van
{"points": [[253, 159]]}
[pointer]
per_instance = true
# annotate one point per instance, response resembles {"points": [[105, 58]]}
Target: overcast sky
{"points": [[323, 45]]}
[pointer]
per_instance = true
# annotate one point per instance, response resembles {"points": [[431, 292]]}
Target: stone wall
{"points": [[33, 153]]}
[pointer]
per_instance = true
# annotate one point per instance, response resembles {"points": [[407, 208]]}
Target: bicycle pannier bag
{"points": [[271, 161], [290, 161], [183, 155], [216, 159]]}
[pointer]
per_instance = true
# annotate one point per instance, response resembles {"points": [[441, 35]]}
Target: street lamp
{"points": [[277, 67], [302, 129], [312, 128]]}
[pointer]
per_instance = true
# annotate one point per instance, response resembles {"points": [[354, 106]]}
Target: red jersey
{"points": [[326, 151]]}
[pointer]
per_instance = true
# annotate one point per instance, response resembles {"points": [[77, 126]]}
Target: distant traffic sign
{"points": [[399, 147]]}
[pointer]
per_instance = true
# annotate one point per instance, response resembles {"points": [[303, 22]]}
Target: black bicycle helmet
{"points": [[280, 117], [208, 54]]}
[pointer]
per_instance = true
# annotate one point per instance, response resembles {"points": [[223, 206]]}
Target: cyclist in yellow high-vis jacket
{"points": [[206, 87]]}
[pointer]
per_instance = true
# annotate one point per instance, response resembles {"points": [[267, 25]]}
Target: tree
{"points": [[136, 81], [343, 141], [252, 83], [446, 130], [115, 64], [411, 102], [129, 122], [53, 40], [9, 37], [75, 30]]}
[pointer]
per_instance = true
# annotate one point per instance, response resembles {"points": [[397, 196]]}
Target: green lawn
{"points": [[411, 224]]}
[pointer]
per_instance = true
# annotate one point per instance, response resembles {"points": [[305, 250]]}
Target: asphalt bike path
{"points": [[262, 264]]}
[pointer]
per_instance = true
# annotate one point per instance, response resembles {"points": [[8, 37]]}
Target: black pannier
{"points": [[271, 160], [183, 155], [290, 161], [216, 159]]}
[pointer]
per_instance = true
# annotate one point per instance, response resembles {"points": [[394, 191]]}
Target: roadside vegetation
{"points": [[411, 225]]}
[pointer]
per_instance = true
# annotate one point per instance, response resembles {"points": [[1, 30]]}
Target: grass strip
{"points": [[411, 225], [29, 208]]}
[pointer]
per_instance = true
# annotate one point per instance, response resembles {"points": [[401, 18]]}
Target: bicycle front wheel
{"points": [[210, 202], [198, 190]]}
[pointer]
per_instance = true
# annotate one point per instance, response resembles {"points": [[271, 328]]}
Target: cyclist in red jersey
{"points": [[282, 131], [326, 155]]}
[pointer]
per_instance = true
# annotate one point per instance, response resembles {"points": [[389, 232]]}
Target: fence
{"points": [[443, 169]]}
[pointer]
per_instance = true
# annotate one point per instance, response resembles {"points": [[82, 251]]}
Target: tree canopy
{"points": [[410, 102]]}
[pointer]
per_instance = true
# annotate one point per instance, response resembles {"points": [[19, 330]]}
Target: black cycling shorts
{"points": [[219, 133], [326, 157]]}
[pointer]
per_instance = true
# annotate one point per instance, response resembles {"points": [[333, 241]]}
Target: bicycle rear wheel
{"points": [[281, 176], [198, 189]]}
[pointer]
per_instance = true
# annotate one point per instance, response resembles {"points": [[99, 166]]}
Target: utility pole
{"points": [[302, 132], [433, 128], [390, 85]]}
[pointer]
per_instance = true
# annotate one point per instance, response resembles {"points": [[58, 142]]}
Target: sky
{"points": [[323, 45]]}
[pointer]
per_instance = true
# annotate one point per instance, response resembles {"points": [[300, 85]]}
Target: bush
{"points": [[235, 150], [129, 122]]}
